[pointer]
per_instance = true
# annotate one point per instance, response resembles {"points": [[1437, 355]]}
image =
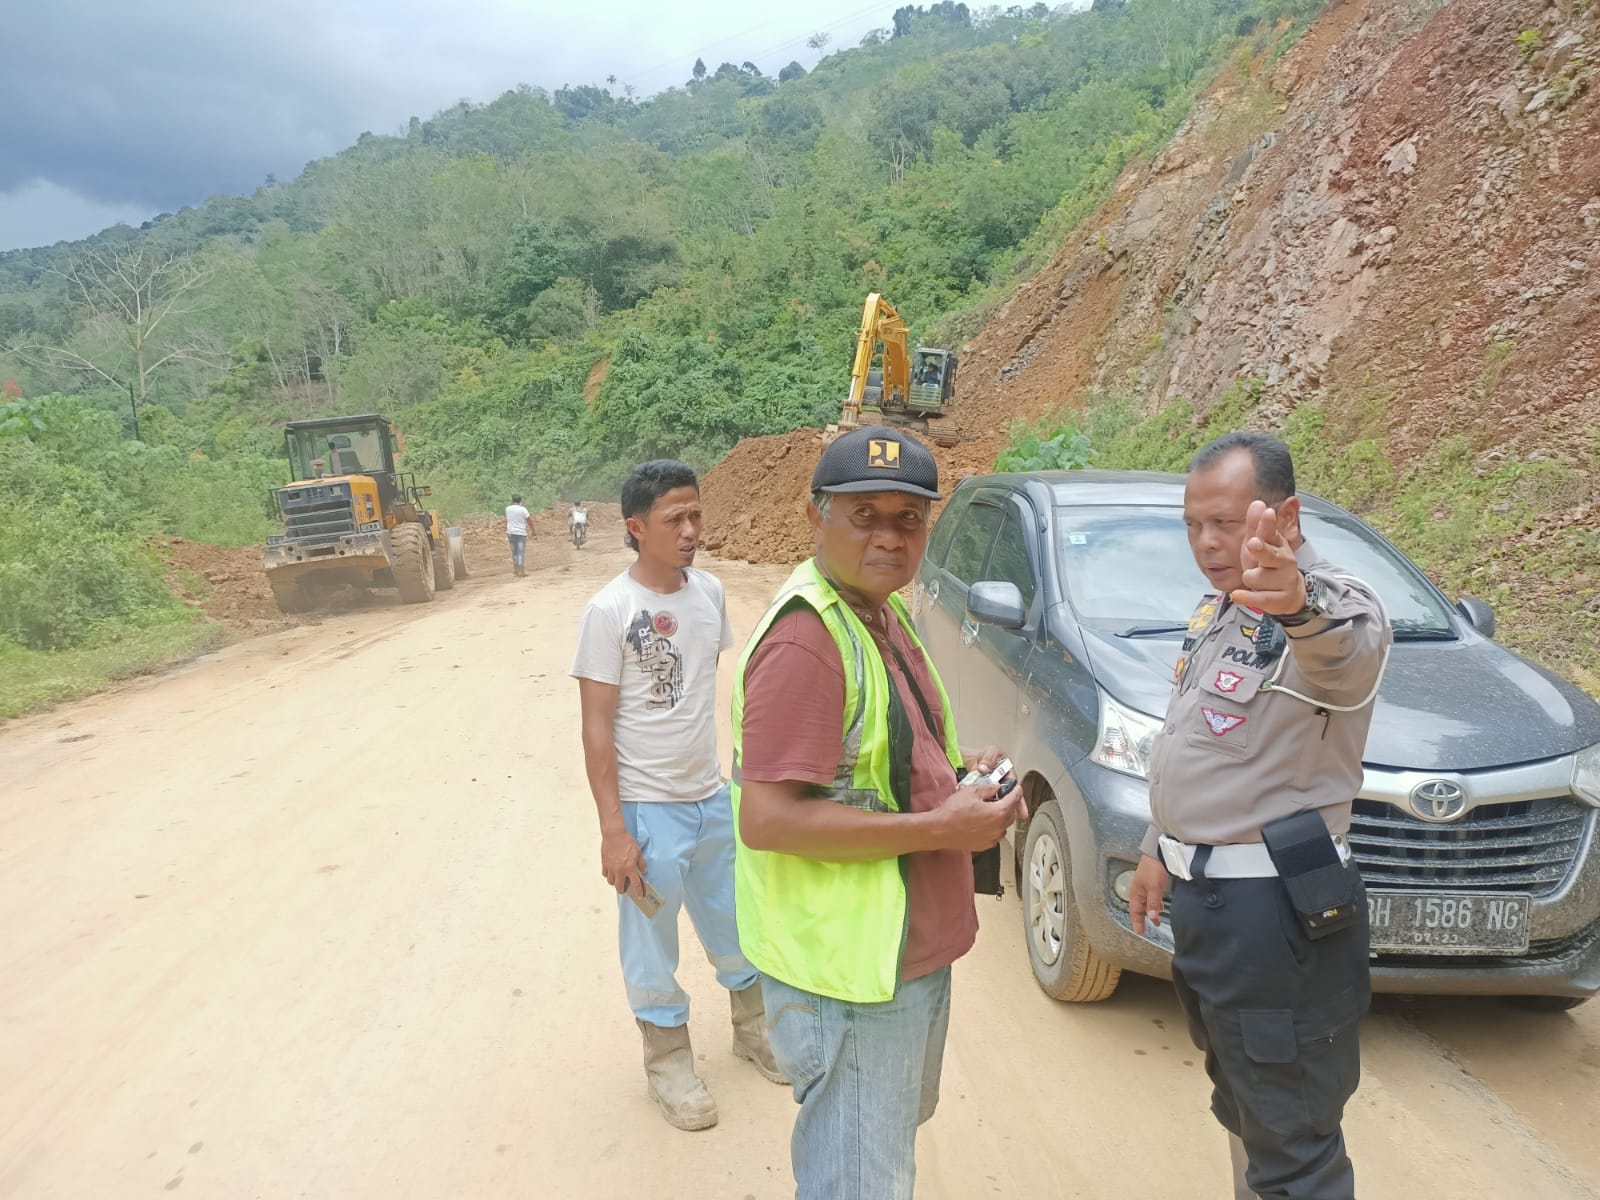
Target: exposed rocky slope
{"points": [[1399, 218]]}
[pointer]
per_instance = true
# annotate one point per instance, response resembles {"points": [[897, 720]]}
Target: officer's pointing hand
{"points": [[1272, 580]]}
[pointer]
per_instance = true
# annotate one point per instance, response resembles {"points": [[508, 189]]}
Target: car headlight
{"points": [[1586, 775], [1124, 739]]}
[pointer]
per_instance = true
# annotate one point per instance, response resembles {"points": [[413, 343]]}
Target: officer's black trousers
{"points": [[1276, 1015]]}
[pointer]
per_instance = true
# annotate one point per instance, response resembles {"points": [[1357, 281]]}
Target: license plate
{"points": [[1448, 922]]}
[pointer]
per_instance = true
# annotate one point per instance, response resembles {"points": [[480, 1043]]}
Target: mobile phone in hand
{"points": [[1001, 775], [649, 900]]}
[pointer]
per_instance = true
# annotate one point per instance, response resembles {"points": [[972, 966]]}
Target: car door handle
{"points": [[933, 590], [969, 633]]}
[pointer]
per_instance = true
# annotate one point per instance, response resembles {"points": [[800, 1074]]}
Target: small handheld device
{"points": [[1000, 775], [649, 900]]}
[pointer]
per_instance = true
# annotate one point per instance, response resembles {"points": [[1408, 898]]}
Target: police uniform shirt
{"points": [[1236, 750]]}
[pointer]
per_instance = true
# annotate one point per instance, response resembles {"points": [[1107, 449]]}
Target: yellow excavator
{"points": [[891, 384]]}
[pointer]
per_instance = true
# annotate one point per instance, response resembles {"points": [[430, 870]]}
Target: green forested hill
{"points": [[547, 287]]}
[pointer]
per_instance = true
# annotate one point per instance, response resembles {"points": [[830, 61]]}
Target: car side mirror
{"points": [[1478, 614], [994, 603]]}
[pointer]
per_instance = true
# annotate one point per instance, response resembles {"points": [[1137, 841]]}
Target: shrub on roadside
{"points": [[61, 578]]}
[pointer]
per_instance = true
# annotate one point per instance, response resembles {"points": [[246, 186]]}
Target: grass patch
{"points": [[31, 679]]}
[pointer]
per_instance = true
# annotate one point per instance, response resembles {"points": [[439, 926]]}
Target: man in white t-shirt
{"points": [[646, 667], [517, 534]]}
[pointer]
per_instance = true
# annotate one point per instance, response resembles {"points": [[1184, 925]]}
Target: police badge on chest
{"points": [[1261, 643]]}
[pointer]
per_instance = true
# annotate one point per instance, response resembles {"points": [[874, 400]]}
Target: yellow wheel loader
{"points": [[889, 384], [352, 519]]}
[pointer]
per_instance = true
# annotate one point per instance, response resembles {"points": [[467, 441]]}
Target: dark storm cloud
{"points": [[154, 104], [160, 104]]}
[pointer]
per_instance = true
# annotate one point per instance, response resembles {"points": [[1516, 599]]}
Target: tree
{"points": [[131, 306], [699, 69], [793, 71], [819, 41], [567, 308]]}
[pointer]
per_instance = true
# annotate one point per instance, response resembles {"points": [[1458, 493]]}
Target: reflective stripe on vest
{"points": [[835, 929]]}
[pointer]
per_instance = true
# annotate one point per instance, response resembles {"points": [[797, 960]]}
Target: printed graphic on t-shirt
{"points": [[650, 637]]}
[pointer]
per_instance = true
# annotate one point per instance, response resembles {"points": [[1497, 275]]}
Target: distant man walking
{"points": [[517, 534], [647, 678]]}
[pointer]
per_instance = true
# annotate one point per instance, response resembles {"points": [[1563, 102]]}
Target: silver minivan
{"points": [[1055, 603]]}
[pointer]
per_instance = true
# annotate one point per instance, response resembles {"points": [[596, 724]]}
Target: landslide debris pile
{"points": [[226, 583], [755, 498]]}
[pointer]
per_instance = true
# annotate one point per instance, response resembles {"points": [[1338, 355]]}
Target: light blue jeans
{"points": [[519, 548], [688, 858], [865, 1076]]}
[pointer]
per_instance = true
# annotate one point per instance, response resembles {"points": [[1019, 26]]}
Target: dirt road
{"points": [[320, 917]]}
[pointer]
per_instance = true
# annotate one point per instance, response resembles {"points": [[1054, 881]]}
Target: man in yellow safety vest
{"points": [[853, 872]]}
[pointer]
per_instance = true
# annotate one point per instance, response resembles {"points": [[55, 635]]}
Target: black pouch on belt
{"points": [[986, 872], [1322, 889]]}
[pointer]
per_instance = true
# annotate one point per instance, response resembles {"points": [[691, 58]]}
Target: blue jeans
{"points": [[519, 548], [865, 1076], [688, 858]]}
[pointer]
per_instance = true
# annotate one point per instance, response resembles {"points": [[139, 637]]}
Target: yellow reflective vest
{"points": [[835, 929]]}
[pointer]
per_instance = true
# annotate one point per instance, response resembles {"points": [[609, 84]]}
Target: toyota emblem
{"points": [[1438, 800]]}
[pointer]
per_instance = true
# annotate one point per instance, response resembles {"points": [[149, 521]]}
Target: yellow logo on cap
{"points": [[883, 453]]}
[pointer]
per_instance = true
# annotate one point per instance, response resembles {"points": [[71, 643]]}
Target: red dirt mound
{"points": [[224, 582], [755, 498]]}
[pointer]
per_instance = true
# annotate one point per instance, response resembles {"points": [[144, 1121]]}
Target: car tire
{"points": [[1548, 1004], [1064, 964]]}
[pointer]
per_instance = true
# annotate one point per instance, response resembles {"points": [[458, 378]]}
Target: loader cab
{"points": [[345, 446]]}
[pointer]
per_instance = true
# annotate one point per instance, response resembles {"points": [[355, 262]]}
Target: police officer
{"points": [[1251, 784]]}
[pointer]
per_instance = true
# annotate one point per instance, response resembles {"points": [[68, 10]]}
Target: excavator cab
{"points": [[934, 381]]}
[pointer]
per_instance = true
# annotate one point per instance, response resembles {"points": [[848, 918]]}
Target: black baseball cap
{"points": [[877, 459]]}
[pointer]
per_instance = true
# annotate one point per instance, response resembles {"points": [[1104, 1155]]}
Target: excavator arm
{"points": [[879, 323]]}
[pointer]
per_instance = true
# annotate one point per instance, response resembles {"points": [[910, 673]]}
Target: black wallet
{"points": [[1323, 890]]}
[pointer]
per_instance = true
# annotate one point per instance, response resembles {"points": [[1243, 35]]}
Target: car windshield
{"points": [[1129, 570]]}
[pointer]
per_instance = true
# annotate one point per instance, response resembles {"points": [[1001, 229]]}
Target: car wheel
{"points": [[1548, 1004], [1063, 962]]}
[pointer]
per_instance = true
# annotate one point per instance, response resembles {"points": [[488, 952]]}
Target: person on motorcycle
{"points": [[578, 523]]}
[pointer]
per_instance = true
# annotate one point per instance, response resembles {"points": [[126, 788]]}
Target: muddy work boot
{"points": [[750, 1032], [669, 1067]]}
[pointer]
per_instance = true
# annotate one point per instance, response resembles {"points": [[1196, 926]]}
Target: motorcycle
{"points": [[578, 527]]}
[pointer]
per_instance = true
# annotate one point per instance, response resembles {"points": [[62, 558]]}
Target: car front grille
{"points": [[320, 521], [1527, 846]]}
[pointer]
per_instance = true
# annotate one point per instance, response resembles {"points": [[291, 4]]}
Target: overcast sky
{"points": [[112, 110]]}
